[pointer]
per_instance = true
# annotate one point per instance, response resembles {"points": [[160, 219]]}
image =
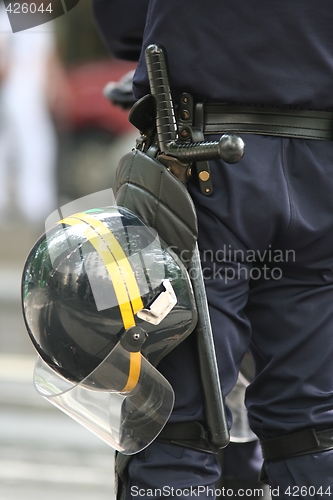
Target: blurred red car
{"points": [[88, 107], [89, 127]]}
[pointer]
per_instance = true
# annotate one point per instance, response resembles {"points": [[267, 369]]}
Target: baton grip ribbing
{"points": [[166, 124], [230, 147]]}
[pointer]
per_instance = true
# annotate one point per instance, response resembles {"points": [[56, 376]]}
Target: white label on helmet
{"points": [[161, 306]]}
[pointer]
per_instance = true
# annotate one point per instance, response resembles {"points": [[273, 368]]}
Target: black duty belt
{"points": [[277, 121], [188, 435], [297, 443], [203, 118]]}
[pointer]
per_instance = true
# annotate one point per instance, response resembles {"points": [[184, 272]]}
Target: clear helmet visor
{"points": [[125, 401]]}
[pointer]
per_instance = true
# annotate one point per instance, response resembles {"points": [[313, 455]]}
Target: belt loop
{"points": [[202, 167], [185, 117]]}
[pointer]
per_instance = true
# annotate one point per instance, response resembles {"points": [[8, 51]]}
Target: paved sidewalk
{"points": [[45, 455], [16, 240]]}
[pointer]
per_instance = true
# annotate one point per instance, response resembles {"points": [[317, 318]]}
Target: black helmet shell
{"points": [[85, 280]]}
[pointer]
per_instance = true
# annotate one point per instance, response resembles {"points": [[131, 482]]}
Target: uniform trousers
{"points": [[266, 244]]}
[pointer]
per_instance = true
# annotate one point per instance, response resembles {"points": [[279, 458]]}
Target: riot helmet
{"points": [[104, 300]]}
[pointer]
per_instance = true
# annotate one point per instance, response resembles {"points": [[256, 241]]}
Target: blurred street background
{"points": [[60, 140]]}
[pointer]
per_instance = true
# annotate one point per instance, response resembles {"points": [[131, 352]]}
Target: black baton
{"points": [[167, 134]]}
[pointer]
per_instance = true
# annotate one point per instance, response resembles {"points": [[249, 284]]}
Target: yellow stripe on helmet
{"points": [[119, 256], [122, 276], [112, 267]]}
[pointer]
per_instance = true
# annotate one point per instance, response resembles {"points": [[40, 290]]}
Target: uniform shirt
{"points": [[275, 52], [121, 24]]}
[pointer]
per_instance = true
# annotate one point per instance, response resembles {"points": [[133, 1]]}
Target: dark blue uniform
{"points": [[265, 234], [275, 52]]}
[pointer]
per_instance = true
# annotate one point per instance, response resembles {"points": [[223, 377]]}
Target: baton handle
{"points": [[166, 124], [230, 147]]}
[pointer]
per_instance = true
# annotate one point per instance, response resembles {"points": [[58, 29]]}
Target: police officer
{"points": [[264, 70]]}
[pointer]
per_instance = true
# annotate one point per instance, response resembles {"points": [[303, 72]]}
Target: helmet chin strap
{"points": [[134, 372]]}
